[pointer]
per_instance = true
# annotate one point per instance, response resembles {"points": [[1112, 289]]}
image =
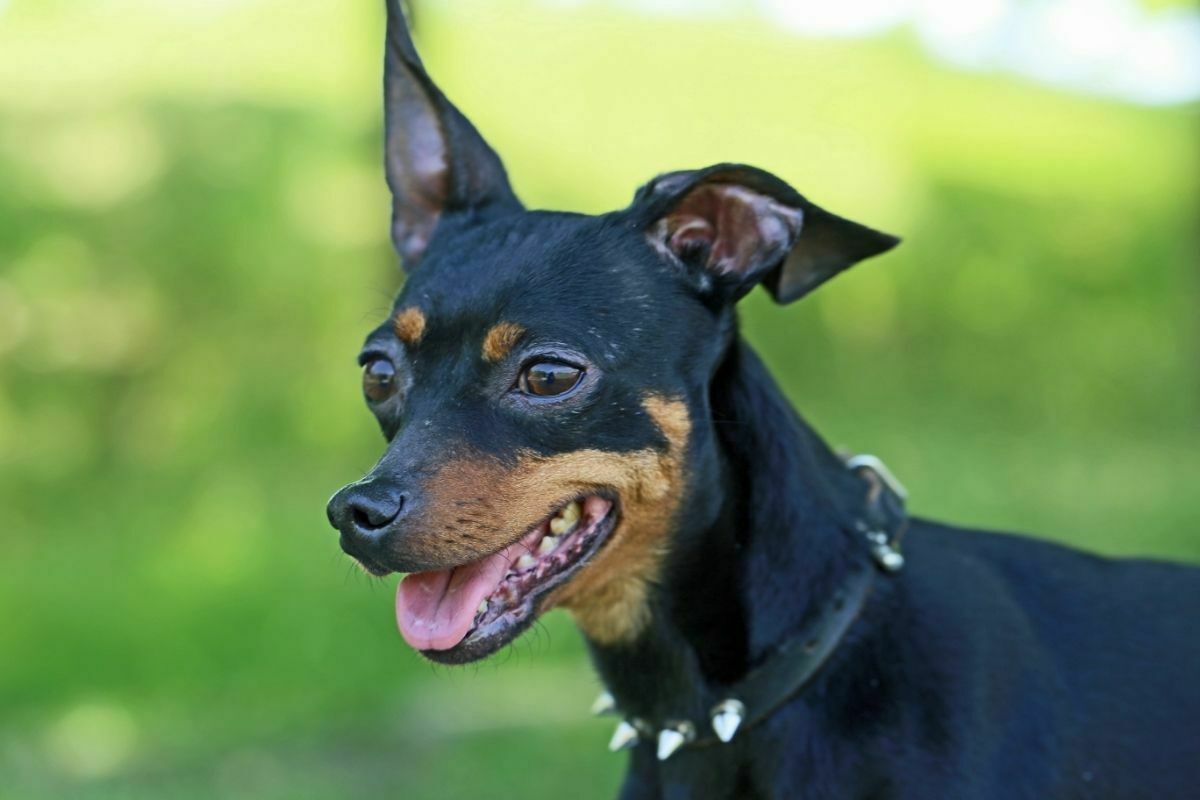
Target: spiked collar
{"points": [[765, 688]]}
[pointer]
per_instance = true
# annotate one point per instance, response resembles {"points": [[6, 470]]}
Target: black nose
{"points": [[364, 511]]}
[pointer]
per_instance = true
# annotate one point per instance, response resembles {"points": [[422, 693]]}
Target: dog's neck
{"points": [[767, 559]]}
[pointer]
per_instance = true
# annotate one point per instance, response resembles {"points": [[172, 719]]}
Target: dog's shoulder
{"points": [[1104, 639]]}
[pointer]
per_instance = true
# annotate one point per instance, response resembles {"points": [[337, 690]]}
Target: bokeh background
{"points": [[193, 243]]}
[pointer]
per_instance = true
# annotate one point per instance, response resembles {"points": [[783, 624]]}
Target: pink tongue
{"points": [[435, 610]]}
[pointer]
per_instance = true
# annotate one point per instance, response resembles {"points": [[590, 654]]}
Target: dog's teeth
{"points": [[547, 545], [526, 561], [566, 519], [483, 607]]}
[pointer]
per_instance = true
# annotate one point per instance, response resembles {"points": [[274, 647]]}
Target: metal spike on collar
{"points": [[726, 718], [624, 737], [672, 738], [604, 704], [886, 556], [890, 560]]}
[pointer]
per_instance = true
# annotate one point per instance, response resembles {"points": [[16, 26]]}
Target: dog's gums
{"points": [[469, 611]]}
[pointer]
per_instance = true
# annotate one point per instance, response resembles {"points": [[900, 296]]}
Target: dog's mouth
{"points": [[468, 612]]}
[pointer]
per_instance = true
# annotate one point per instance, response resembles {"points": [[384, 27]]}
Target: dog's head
{"points": [[543, 380]]}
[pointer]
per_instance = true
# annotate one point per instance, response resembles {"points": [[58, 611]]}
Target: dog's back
{"points": [[1064, 673]]}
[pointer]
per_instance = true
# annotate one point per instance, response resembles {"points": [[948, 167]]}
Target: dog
{"points": [[573, 421]]}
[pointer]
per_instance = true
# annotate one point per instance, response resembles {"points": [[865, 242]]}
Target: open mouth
{"points": [[470, 611]]}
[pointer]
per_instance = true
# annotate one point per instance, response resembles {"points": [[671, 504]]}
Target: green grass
{"points": [[193, 243]]}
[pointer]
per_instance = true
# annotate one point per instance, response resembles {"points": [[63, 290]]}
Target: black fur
{"points": [[992, 666]]}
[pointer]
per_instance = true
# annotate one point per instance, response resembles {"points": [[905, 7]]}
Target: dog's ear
{"points": [[437, 162], [738, 226]]}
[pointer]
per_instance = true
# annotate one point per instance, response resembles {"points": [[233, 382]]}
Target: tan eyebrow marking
{"points": [[409, 325], [501, 339]]}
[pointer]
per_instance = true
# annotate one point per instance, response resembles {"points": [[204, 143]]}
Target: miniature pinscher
{"points": [[572, 420]]}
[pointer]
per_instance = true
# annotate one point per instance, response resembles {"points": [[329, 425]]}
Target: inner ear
{"points": [[735, 226], [729, 230]]}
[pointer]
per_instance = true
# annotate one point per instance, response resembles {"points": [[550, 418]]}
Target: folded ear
{"points": [[436, 161], [738, 226]]}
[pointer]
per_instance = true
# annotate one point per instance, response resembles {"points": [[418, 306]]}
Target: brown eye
{"points": [[547, 379], [379, 380]]}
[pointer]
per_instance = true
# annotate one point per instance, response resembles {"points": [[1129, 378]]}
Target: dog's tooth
{"points": [[526, 561], [559, 526], [566, 519], [547, 545], [483, 607]]}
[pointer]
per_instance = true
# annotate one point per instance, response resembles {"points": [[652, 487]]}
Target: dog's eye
{"points": [[379, 380], [549, 378]]}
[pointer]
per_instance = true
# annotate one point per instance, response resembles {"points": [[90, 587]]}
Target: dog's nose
{"points": [[363, 511]]}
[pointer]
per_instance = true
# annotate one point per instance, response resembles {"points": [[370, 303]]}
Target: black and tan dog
{"points": [[573, 421]]}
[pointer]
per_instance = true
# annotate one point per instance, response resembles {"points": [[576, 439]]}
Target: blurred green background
{"points": [[193, 244]]}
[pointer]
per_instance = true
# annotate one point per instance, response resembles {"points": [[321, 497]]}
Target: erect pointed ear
{"points": [[738, 226], [436, 161]]}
